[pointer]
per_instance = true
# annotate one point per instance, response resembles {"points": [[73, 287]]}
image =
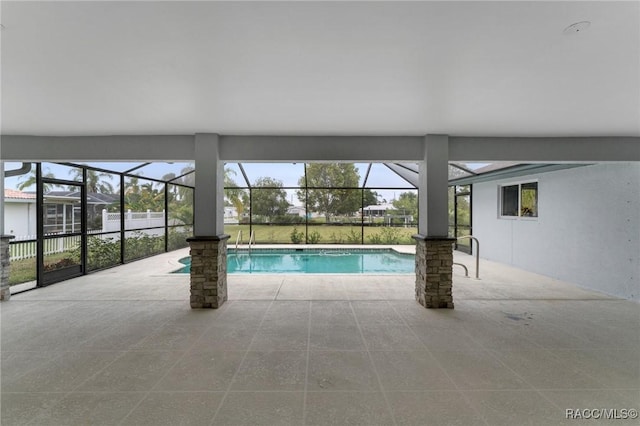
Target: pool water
{"points": [[315, 261]]}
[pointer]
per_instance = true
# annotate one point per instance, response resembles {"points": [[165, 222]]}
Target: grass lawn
{"points": [[24, 270], [323, 234], [21, 271]]}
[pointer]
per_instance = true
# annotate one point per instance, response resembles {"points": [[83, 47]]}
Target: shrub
{"points": [[287, 219], [375, 239], [386, 235], [297, 237], [314, 237], [143, 245], [102, 253], [177, 237], [338, 239], [354, 237], [390, 235]]}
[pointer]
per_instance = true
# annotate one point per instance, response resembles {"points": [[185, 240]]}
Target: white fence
{"points": [[22, 248], [132, 220], [29, 249]]}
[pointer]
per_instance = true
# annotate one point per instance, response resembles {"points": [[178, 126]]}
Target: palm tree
{"points": [[173, 192], [188, 179], [94, 181], [234, 194], [31, 181]]}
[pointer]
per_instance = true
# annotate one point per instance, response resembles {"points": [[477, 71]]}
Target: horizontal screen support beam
{"points": [[318, 148]]}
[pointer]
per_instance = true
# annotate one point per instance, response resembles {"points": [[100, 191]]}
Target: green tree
{"points": [[188, 176], [172, 190], [407, 204], [235, 195], [96, 181], [30, 180], [268, 199], [327, 193], [370, 198], [179, 198], [168, 176], [181, 186], [143, 197]]}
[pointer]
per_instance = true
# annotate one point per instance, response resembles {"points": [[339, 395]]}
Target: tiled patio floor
{"points": [[123, 347]]}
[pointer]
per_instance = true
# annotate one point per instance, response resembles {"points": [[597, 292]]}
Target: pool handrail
{"points": [[252, 239], [238, 239], [466, 270], [477, 253]]}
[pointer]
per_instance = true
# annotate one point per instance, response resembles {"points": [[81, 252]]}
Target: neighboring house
{"points": [[297, 211], [62, 210], [379, 210], [230, 215], [300, 211], [19, 213], [576, 224]]}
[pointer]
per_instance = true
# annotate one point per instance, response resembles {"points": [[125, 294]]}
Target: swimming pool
{"points": [[315, 261]]}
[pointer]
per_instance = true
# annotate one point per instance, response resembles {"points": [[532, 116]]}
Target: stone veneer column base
{"points": [[208, 271], [5, 262], [434, 276]]}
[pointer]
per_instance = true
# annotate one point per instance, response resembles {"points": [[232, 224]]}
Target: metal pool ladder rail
{"points": [[238, 239], [252, 238], [477, 256]]}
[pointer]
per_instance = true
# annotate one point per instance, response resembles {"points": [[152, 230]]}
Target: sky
{"points": [[289, 173]]}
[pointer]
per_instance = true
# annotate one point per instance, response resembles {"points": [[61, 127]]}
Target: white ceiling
{"points": [[325, 68]]}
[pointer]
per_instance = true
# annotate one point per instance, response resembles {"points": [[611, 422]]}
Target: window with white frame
{"points": [[519, 200]]}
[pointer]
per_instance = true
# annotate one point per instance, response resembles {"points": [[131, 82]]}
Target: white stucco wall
{"points": [[19, 218], [587, 232]]}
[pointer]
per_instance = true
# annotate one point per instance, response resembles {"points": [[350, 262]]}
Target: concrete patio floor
{"points": [[122, 347]]}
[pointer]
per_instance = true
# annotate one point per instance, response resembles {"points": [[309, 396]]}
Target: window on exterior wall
{"points": [[519, 200], [510, 200], [529, 199]]}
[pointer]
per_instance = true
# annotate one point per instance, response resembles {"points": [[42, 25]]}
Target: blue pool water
{"points": [[315, 261]]}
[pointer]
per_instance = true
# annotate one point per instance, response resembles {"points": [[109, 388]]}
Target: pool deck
{"points": [[122, 347], [150, 278]]}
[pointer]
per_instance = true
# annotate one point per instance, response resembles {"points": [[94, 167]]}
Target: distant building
{"points": [[297, 211], [230, 215], [378, 210], [19, 213], [61, 211]]}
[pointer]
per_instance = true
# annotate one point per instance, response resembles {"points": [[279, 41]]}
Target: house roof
{"points": [[13, 194], [92, 197]]}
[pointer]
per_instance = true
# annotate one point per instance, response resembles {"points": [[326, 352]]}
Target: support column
{"points": [[1, 196], [5, 262], [434, 249], [208, 271], [209, 243], [434, 277]]}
